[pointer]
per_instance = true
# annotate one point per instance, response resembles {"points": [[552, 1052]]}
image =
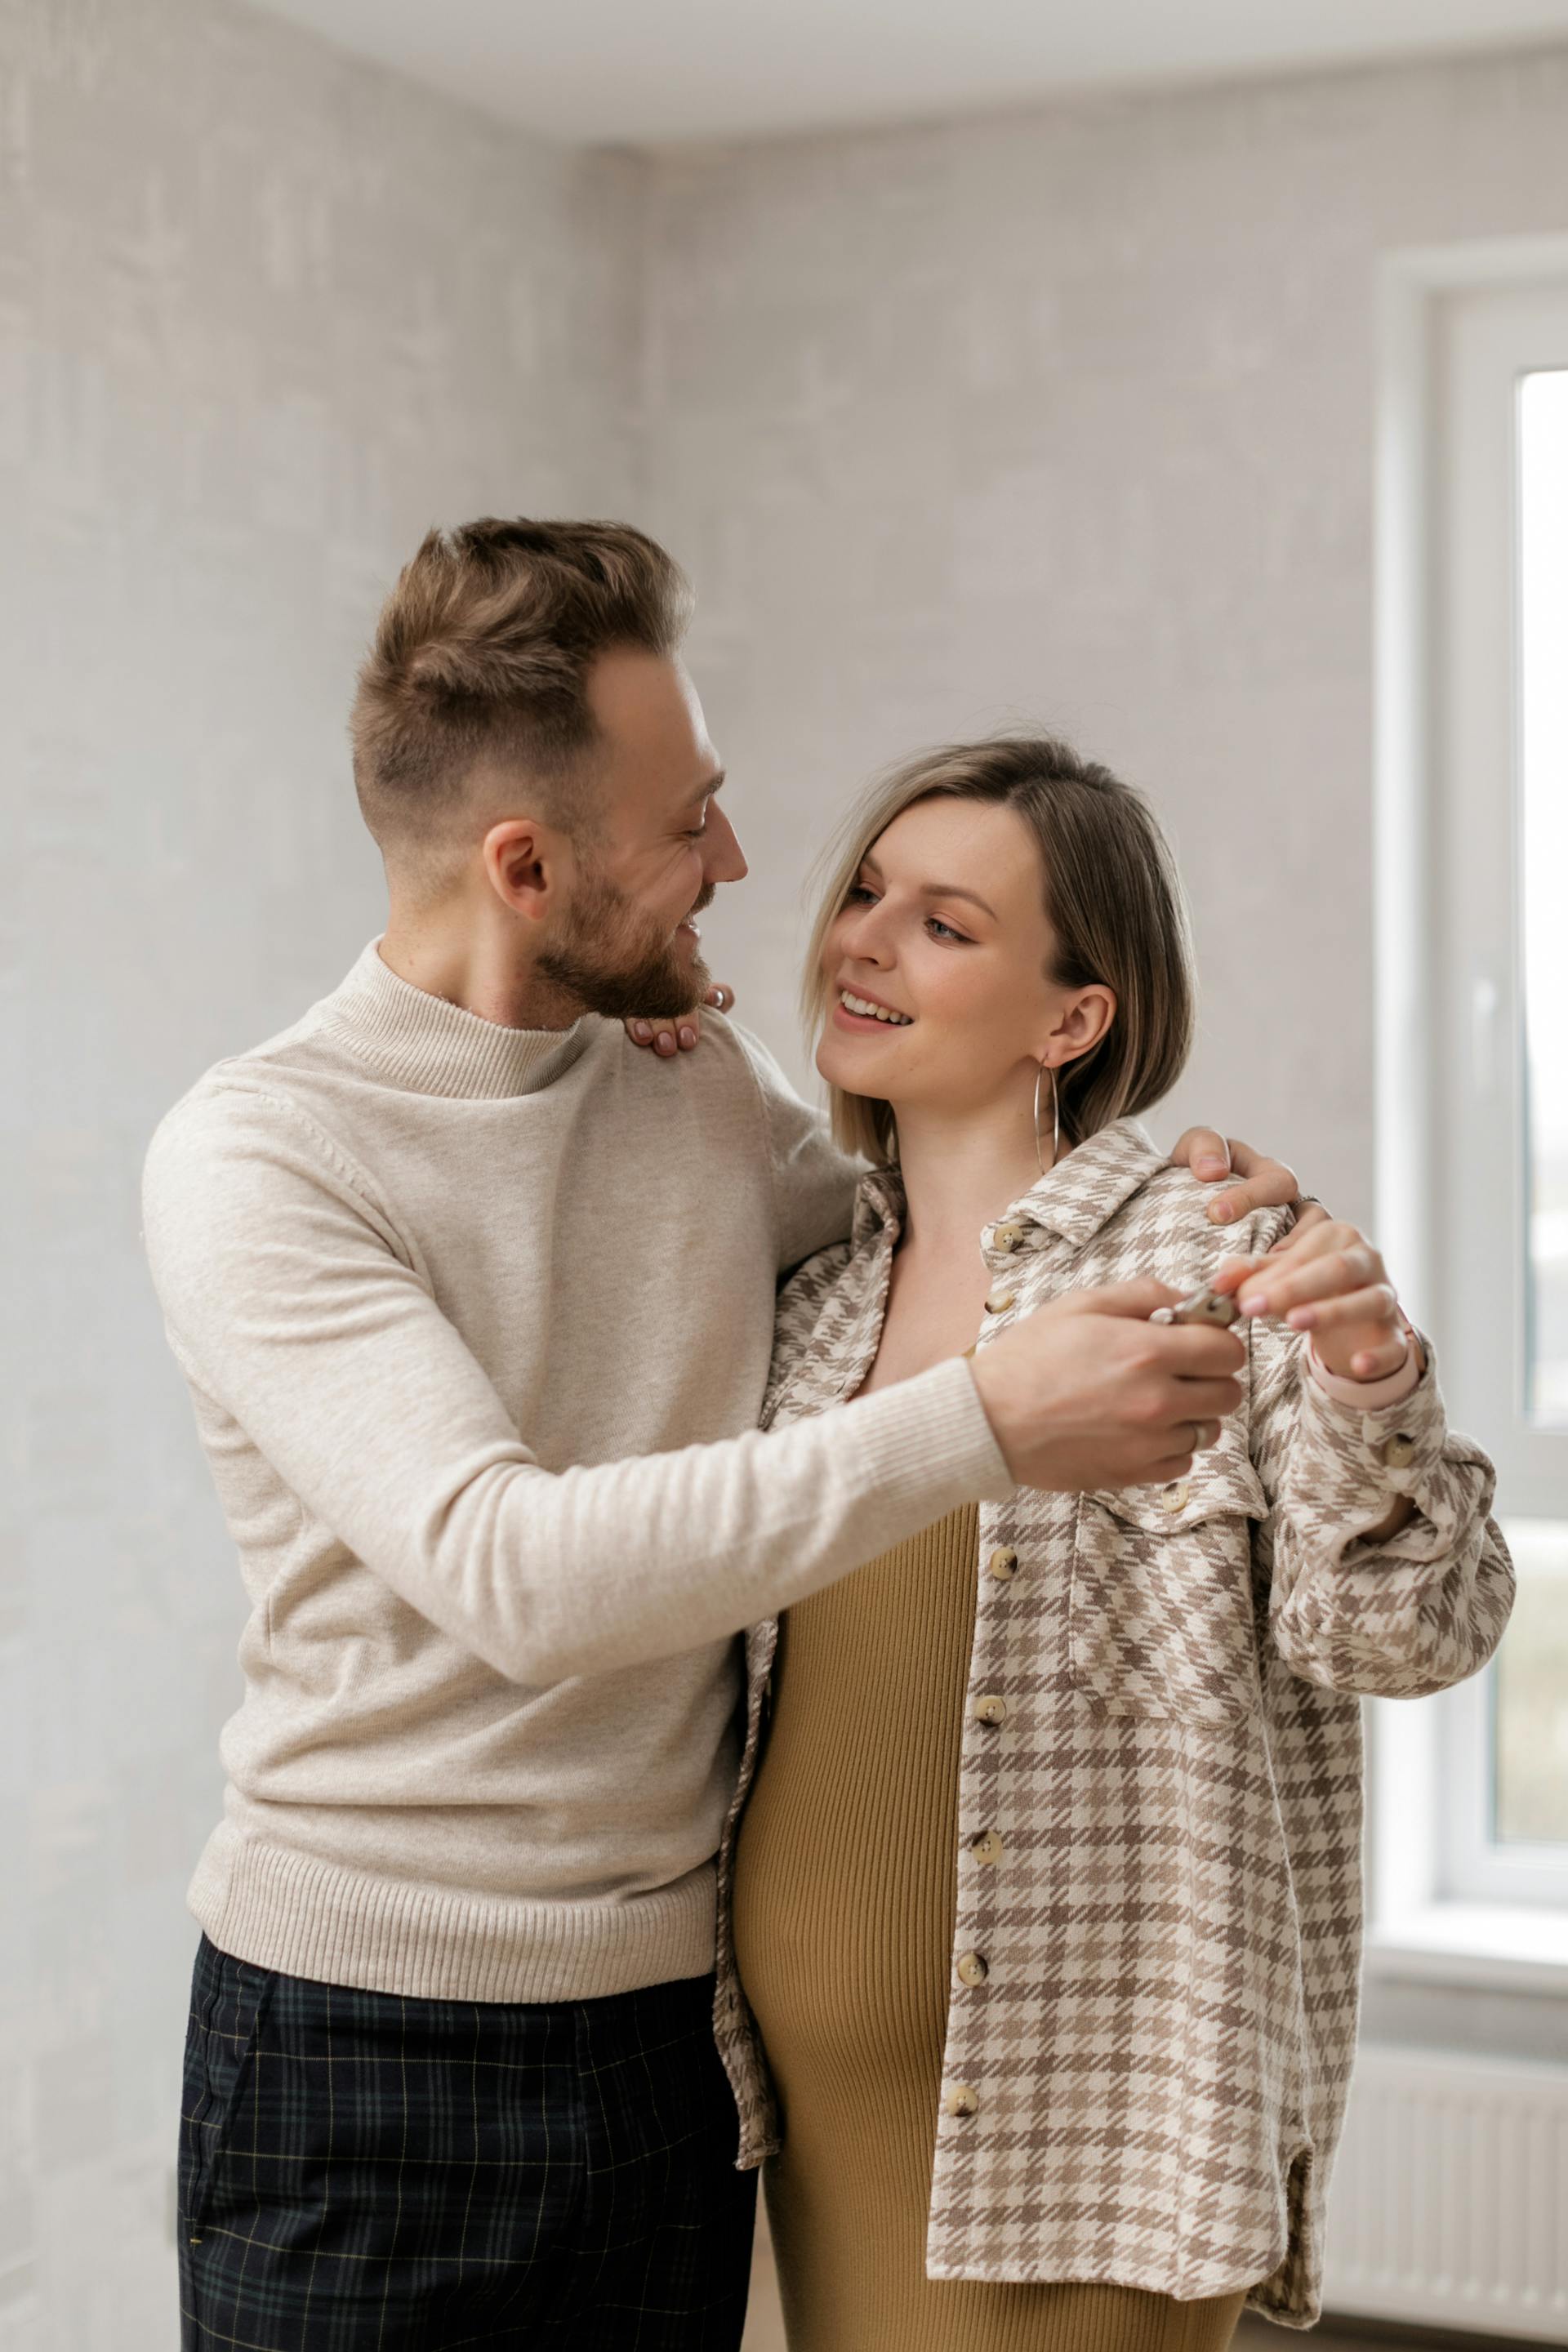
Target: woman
{"points": [[1046, 1897]]}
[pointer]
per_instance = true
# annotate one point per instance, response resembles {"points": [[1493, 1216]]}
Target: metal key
{"points": [[1204, 1306]]}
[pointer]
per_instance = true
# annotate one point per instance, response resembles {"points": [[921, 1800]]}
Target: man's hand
{"points": [[1088, 1392], [679, 1036], [1266, 1183]]}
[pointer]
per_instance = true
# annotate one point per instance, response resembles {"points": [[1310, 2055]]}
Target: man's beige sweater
{"points": [[477, 1322]]}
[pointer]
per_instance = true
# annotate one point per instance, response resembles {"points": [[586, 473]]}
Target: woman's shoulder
{"points": [[1164, 1229]]}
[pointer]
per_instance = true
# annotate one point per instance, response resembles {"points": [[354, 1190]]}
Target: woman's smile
{"points": [[861, 1014]]}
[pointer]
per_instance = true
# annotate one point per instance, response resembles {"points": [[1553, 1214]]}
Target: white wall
{"points": [[264, 315], [1068, 417]]}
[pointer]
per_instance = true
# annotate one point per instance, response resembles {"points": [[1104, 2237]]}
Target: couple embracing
{"points": [[761, 1654]]}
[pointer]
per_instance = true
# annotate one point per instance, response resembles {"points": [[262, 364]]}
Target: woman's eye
{"points": [[859, 895], [947, 930]]}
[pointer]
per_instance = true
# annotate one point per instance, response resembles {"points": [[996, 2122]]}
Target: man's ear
{"points": [[524, 858]]}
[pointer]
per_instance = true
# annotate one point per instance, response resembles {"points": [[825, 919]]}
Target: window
{"points": [[1473, 842]]}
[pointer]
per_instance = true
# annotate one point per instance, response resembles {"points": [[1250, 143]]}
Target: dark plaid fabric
{"points": [[358, 2170]]}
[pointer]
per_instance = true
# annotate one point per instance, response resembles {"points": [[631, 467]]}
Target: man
{"points": [[475, 1301]]}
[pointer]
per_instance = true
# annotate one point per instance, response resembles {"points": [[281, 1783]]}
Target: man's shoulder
{"points": [[740, 1058], [242, 1111]]}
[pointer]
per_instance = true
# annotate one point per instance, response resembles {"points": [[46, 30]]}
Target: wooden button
{"points": [[1003, 1564], [972, 1969], [1399, 1453], [986, 1847], [997, 1300], [1008, 1236], [960, 2099], [1175, 1496], [992, 1708]]}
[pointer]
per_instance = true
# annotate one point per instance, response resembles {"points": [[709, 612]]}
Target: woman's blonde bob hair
{"points": [[1111, 895]]}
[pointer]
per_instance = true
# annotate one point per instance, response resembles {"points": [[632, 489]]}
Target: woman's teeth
{"points": [[873, 1012]]}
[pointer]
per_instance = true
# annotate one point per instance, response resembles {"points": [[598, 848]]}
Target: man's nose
{"points": [[725, 860]]}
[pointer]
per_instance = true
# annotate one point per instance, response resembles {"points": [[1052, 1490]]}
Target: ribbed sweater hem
{"points": [[306, 1918]]}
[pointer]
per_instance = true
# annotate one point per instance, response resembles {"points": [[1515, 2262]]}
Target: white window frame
{"points": [[1445, 1901]]}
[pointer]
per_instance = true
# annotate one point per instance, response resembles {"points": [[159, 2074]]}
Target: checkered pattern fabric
{"points": [[1160, 1852], [360, 2170]]}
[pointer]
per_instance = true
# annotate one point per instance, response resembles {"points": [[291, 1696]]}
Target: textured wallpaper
{"points": [[264, 315], [1066, 417]]}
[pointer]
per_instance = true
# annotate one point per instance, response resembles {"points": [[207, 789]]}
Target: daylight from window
{"points": [[1529, 1791], [1544, 687]]}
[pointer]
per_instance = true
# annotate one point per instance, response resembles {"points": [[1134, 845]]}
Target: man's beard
{"points": [[617, 961]]}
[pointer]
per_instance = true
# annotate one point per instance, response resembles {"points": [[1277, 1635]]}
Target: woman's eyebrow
{"points": [[957, 890], [938, 889]]}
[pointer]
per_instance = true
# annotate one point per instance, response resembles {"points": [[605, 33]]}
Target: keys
{"points": [[1205, 1305]]}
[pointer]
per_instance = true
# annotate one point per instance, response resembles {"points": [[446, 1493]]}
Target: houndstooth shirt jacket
{"points": [[1160, 1844]]}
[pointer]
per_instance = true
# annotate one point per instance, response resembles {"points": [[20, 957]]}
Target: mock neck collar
{"points": [[425, 1045], [1082, 1192]]}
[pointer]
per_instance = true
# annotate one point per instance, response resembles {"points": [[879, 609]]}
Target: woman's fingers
{"points": [[1279, 1264], [1329, 1258], [1375, 1306], [1373, 1360], [1322, 1278], [1307, 1214]]}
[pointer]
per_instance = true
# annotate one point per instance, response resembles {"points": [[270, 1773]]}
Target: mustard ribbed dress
{"points": [[846, 1890]]}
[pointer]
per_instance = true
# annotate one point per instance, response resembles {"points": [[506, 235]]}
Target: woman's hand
{"points": [[1265, 1183], [679, 1036], [1327, 1278]]}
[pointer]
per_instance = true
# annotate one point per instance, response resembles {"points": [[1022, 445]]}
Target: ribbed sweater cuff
{"points": [[929, 1436]]}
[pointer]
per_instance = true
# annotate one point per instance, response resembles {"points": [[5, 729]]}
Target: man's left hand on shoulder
{"points": [[1245, 1180]]}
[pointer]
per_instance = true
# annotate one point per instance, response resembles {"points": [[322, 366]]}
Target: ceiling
{"points": [[651, 73]]}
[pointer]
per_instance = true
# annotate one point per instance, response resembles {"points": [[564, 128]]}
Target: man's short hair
{"points": [[482, 655]]}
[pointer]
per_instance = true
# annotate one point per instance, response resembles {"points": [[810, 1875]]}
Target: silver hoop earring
{"points": [[1056, 1119]]}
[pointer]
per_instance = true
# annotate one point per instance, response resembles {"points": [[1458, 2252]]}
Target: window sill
{"points": [[1492, 1948]]}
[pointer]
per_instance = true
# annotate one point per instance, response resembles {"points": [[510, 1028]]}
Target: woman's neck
{"points": [[959, 1174]]}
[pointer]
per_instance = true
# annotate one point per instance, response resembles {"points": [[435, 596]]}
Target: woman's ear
{"points": [[1084, 1021]]}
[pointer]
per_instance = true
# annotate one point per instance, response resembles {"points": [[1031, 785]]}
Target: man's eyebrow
{"points": [[938, 890], [705, 791]]}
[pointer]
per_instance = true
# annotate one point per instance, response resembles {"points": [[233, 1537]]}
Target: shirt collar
{"points": [[1074, 1199]]}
